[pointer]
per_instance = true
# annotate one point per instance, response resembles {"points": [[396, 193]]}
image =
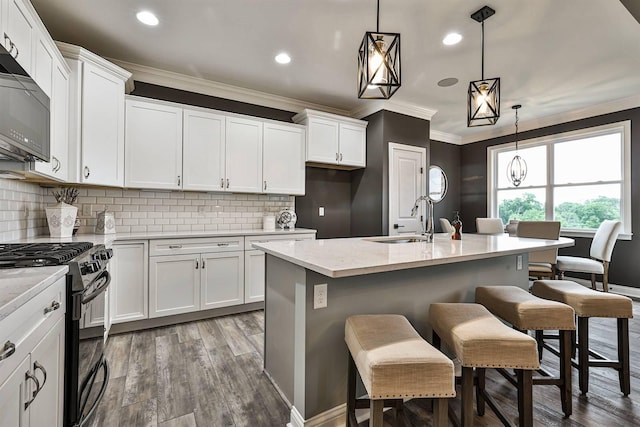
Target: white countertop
{"points": [[108, 239], [19, 285], [356, 256]]}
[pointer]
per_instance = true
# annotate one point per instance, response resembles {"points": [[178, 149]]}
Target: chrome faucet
{"points": [[428, 230]]}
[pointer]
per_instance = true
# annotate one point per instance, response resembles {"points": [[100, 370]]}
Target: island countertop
{"points": [[366, 255]]}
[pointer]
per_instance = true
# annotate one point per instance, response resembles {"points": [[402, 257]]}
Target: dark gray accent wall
{"points": [[163, 93], [625, 269], [370, 186], [447, 156]]}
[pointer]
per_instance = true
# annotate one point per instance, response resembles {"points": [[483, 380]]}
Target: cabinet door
{"points": [[174, 284], [253, 276], [20, 31], [222, 279], [353, 141], [322, 141], [102, 137], [48, 356], [283, 159], [14, 392], [203, 151], [129, 282], [154, 145], [243, 166], [43, 67]]}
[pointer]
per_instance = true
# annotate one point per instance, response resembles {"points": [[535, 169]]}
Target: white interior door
{"points": [[407, 164]]}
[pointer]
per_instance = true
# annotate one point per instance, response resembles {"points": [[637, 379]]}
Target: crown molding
{"points": [[451, 138], [406, 108], [556, 119], [81, 54], [156, 76]]}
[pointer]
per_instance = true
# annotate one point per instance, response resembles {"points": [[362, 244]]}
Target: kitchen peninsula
{"points": [[305, 354]]}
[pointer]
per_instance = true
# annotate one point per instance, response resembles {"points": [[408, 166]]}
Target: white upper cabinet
{"points": [[203, 150], [154, 145], [283, 156], [333, 140], [243, 155], [19, 34], [96, 148], [43, 66]]}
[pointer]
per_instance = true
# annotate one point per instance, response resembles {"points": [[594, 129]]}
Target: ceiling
{"points": [[557, 58]]}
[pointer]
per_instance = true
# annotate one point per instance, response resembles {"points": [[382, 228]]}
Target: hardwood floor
{"points": [[209, 373]]}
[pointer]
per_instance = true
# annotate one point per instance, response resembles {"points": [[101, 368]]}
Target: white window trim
{"points": [[624, 126]]}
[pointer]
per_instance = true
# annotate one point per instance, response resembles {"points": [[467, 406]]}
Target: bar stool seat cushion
{"points": [[394, 361], [584, 265], [480, 340], [525, 311], [540, 267], [586, 302]]}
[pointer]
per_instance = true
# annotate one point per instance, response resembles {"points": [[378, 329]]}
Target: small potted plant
{"points": [[62, 217]]}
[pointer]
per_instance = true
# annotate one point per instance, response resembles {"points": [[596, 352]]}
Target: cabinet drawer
{"points": [[249, 240], [26, 326], [195, 246]]}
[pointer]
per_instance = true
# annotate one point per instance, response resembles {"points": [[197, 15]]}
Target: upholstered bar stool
{"points": [[527, 312], [479, 340], [394, 363], [588, 303]]}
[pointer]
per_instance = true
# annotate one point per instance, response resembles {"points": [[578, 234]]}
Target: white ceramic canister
{"points": [[269, 222], [106, 223], [61, 219]]}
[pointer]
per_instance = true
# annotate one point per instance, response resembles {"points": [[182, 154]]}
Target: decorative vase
{"points": [[106, 223], [457, 227], [61, 219]]}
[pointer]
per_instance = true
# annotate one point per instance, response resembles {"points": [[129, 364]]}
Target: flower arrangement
{"points": [[66, 195]]}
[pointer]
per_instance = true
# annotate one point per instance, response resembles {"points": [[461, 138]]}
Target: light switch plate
{"points": [[320, 296], [321, 211], [519, 262]]}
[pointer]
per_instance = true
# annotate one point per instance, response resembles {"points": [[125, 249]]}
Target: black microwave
{"points": [[24, 113]]}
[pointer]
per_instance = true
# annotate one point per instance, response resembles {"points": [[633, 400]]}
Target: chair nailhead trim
{"points": [[412, 395]]}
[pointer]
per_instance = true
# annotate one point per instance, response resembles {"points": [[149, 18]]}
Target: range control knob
{"points": [[109, 253], [89, 268], [84, 268]]}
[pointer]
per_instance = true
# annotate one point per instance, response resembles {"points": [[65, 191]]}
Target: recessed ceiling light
{"points": [[452, 38], [283, 58], [449, 81], [147, 18]]}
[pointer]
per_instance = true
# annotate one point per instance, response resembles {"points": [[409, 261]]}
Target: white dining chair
{"points": [[446, 226], [541, 263], [489, 226], [601, 249]]}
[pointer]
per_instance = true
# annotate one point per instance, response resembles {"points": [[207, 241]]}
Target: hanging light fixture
{"points": [[517, 169], [378, 63], [483, 104]]}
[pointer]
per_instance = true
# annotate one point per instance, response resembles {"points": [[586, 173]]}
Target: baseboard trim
{"points": [[334, 417]]}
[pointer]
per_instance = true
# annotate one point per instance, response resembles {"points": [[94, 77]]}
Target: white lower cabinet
{"points": [[174, 285], [222, 279], [254, 276], [129, 286], [32, 369]]}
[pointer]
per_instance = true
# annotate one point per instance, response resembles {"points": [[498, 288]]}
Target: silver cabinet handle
{"points": [[175, 246], [337, 156], [7, 350], [203, 264], [38, 366], [17, 50], [221, 182], [265, 185], [197, 263], [87, 172], [53, 307], [29, 376], [227, 182], [340, 156], [179, 180], [223, 244]]}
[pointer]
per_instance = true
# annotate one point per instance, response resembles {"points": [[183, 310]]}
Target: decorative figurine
{"points": [[457, 227]]}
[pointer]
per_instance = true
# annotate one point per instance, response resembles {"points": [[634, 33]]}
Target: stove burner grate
{"points": [[40, 254]]}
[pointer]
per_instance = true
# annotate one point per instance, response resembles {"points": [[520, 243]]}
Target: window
{"points": [[579, 178]]}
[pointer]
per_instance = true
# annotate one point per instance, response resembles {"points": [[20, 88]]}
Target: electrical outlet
{"points": [[519, 262], [321, 211], [86, 210], [320, 296]]}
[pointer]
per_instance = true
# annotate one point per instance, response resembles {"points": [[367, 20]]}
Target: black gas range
{"points": [[86, 371]]}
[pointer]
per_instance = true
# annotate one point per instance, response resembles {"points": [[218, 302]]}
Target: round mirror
{"points": [[437, 183]]}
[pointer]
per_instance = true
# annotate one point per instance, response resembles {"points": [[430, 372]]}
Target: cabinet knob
{"points": [[7, 350]]}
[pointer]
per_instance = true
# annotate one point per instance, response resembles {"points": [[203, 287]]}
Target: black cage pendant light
{"points": [[483, 104], [378, 63], [517, 169]]}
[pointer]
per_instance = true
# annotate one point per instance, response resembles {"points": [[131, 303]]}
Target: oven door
{"points": [[93, 368]]}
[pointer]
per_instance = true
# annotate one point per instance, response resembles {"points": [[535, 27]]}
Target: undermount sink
{"points": [[396, 239]]}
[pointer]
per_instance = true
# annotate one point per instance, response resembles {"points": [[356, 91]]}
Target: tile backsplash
{"points": [[150, 211], [22, 209]]}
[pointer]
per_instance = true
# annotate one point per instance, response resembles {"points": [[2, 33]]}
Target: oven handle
{"points": [[104, 275], [84, 392]]}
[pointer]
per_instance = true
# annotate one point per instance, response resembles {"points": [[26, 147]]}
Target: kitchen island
{"points": [[305, 354]]}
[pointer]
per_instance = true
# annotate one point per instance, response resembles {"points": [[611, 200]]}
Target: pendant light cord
{"points": [[482, 49], [378, 18], [516, 131]]}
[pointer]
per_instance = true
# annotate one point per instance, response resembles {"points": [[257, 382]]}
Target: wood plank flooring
{"points": [[209, 373]]}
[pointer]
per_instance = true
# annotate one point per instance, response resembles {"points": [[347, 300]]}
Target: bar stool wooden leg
{"points": [[351, 393], [623, 356], [480, 384], [440, 411], [376, 413], [583, 354], [525, 397], [540, 341], [466, 397], [565, 372]]}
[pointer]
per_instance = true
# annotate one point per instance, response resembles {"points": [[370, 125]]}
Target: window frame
{"points": [[548, 141]]}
